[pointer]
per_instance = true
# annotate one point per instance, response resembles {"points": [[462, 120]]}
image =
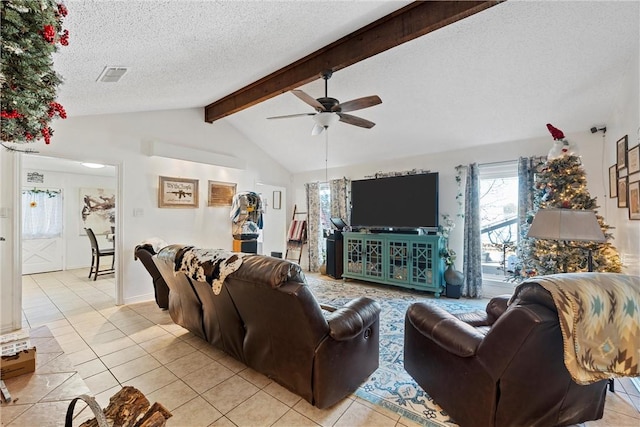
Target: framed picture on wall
{"points": [[613, 182], [621, 151], [177, 193], [277, 199], [622, 192], [98, 210], [634, 200], [221, 193], [633, 158]]}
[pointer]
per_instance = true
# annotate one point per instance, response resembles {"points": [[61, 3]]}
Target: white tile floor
{"points": [[111, 346]]}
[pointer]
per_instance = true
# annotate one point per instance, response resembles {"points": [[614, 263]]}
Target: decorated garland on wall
{"points": [[31, 31]]}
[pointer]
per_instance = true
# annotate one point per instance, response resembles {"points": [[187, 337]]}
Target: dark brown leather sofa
{"points": [[266, 317], [145, 253], [500, 368]]}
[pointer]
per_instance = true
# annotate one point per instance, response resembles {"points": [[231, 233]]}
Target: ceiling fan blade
{"points": [[317, 129], [358, 104], [292, 115], [356, 121], [308, 99]]}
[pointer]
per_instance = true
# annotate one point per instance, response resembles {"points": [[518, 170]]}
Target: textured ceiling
{"points": [[499, 75]]}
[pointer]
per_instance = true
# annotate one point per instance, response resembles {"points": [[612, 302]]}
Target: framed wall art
{"points": [[277, 200], [97, 209], [613, 182], [633, 159], [177, 193], [221, 193], [621, 152], [634, 200], [622, 192]]}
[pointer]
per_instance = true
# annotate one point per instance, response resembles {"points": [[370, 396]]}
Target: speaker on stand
{"points": [[334, 255]]}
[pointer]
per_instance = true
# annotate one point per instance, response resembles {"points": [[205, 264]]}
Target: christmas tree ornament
{"points": [[561, 147]]}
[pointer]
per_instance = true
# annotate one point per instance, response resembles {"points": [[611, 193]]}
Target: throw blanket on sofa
{"points": [[600, 321], [209, 265]]}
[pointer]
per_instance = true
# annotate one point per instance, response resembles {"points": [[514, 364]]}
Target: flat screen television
{"points": [[398, 202]]}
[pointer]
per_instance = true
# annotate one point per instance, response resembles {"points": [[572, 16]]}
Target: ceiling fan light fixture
{"points": [[93, 165], [326, 119]]}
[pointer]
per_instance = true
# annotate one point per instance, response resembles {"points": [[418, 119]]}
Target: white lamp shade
{"points": [[566, 224], [326, 119]]}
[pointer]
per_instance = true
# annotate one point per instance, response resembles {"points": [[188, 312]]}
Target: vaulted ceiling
{"points": [[499, 75]]}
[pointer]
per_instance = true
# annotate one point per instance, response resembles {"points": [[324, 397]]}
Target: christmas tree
{"points": [[561, 183], [31, 31]]}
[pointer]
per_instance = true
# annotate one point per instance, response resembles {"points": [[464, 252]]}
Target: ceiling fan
{"points": [[330, 110]]}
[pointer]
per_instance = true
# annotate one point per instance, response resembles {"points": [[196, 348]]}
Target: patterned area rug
{"points": [[390, 386]]}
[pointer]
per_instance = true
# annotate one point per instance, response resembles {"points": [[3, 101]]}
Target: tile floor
{"points": [[110, 346]]}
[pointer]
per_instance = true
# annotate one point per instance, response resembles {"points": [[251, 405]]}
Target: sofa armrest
{"points": [[354, 317], [329, 308], [496, 307], [444, 329]]}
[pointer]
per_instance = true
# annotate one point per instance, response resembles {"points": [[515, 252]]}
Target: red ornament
{"points": [[566, 204], [64, 38], [54, 108], [62, 9], [49, 33], [555, 133], [46, 133], [13, 114]]}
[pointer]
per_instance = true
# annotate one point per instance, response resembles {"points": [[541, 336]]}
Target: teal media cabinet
{"points": [[405, 260]]}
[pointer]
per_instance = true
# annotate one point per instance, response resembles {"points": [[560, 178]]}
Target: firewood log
{"points": [[130, 408]]}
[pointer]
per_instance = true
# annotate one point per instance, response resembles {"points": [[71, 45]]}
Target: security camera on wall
{"points": [[596, 129]]}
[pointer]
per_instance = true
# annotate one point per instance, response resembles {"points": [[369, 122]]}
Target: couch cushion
{"points": [[268, 271]]}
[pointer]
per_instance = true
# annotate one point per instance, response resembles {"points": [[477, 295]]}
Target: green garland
{"points": [[50, 193], [31, 31]]}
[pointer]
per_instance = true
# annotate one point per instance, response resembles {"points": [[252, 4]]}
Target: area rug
{"points": [[390, 386]]}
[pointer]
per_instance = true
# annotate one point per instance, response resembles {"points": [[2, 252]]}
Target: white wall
{"points": [[625, 120], [121, 140], [77, 249], [591, 148], [10, 280]]}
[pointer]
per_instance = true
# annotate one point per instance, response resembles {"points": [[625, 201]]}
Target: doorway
{"points": [[274, 217], [42, 219], [71, 249]]}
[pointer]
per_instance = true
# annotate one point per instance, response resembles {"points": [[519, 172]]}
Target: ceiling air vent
{"points": [[112, 74]]}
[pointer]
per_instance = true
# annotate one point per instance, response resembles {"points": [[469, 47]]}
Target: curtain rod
{"points": [[503, 162]]}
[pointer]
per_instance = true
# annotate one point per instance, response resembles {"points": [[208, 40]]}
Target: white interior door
{"points": [[274, 231], [42, 243], [41, 255]]}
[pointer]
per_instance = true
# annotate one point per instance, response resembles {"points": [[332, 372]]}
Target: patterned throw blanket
{"points": [[600, 321], [209, 265]]}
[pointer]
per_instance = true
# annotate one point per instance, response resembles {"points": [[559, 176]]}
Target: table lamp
{"points": [[567, 224]]}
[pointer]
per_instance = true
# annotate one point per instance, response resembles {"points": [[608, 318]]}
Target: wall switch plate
{"points": [[138, 212]]}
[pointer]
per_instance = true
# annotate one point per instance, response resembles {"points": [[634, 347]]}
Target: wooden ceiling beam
{"points": [[412, 21]]}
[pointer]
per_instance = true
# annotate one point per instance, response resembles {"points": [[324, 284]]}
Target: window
{"points": [[498, 218], [325, 208], [41, 214]]}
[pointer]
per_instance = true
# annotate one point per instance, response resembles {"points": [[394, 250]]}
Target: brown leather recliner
{"points": [[267, 317], [500, 368], [145, 253]]}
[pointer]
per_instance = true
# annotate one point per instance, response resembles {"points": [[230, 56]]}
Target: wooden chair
{"points": [[96, 253]]}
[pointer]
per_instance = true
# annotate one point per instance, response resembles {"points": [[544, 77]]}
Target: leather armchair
{"points": [[145, 253], [503, 367]]}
